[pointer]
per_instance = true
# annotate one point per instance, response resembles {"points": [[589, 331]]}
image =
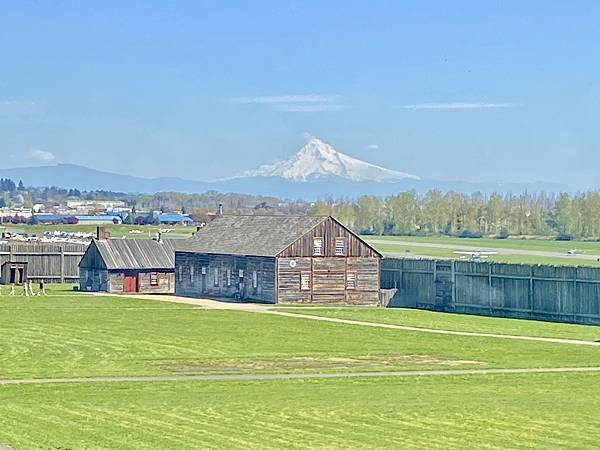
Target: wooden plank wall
{"points": [[563, 294], [53, 263], [165, 279], [93, 280], [191, 282], [328, 230], [328, 280]]}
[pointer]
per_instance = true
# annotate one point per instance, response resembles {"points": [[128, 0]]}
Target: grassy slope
{"points": [[546, 245], [457, 322], [392, 246], [89, 336], [72, 334], [516, 411]]}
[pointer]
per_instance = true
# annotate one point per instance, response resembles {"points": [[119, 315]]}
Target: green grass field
{"points": [[68, 334], [406, 246]]}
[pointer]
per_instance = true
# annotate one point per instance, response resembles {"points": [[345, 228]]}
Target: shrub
{"points": [[564, 237], [470, 234]]}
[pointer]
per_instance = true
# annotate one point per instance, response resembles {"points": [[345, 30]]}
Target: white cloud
{"points": [[294, 103], [460, 105], [39, 156], [270, 99], [373, 147], [21, 106], [318, 107]]}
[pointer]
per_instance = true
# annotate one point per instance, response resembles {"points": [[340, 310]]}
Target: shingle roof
{"points": [[249, 235], [137, 253]]}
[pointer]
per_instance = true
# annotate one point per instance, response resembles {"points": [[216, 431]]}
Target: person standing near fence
{"points": [[12, 290], [42, 288]]}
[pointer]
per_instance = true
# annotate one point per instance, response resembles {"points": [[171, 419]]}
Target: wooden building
{"points": [[278, 259], [13, 272], [128, 266]]}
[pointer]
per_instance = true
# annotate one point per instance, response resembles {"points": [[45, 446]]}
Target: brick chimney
{"points": [[102, 233]]}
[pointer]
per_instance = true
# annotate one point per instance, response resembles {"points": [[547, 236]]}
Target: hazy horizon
{"points": [[202, 90]]}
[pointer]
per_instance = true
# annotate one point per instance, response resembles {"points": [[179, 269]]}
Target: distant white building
{"points": [[19, 212]]}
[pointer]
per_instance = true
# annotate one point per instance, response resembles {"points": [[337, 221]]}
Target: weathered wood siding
{"points": [[102, 280], [206, 275], [563, 294], [53, 263], [328, 230], [328, 284], [288, 280], [93, 280]]}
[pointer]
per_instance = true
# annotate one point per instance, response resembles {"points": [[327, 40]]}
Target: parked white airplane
{"points": [[477, 255]]}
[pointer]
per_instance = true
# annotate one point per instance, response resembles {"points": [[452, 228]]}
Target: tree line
{"points": [[564, 216]]}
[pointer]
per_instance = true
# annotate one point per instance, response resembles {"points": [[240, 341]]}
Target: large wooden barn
{"points": [[128, 266], [278, 259]]}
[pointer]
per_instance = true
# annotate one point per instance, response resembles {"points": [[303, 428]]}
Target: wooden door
{"points": [[130, 283], [329, 280]]}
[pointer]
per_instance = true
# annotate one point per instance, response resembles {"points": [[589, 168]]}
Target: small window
{"points": [[153, 279], [305, 281], [255, 279], [241, 273], [340, 246], [203, 270], [318, 246], [192, 274], [216, 280], [228, 277], [351, 280]]}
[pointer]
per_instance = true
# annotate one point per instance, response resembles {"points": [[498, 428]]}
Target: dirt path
{"points": [[434, 331], [269, 309], [470, 248], [297, 376]]}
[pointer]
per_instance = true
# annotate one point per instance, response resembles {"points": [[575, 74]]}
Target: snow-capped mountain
{"points": [[319, 160]]}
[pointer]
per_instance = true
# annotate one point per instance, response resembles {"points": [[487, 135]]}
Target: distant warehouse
{"points": [[128, 266], [278, 259]]}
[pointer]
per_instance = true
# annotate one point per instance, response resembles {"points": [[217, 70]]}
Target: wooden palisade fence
{"points": [[53, 263], [563, 294]]}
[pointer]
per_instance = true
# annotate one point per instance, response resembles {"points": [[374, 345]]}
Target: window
{"points": [[351, 280], [192, 274], [203, 270], [228, 277], [216, 280], [255, 279], [153, 279], [340, 246], [318, 246], [305, 281], [241, 273]]}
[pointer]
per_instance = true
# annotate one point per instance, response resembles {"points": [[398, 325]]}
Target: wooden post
{"points": [[531, 290], [490, 286], [453, 287], [62, 264]]}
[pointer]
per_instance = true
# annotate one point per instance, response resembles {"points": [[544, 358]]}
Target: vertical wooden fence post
{"points": [[453, 287], [62, 264], [531, 296]]}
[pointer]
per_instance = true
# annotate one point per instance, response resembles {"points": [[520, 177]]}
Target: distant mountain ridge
{"points": [[318, 160], [317, 171]]}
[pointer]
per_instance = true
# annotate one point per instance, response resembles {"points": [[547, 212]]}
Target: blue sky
{"points": [[470, 90]]}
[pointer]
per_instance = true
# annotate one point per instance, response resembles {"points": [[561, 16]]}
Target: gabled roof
{"points": [[136, 253], [250, 235]]}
